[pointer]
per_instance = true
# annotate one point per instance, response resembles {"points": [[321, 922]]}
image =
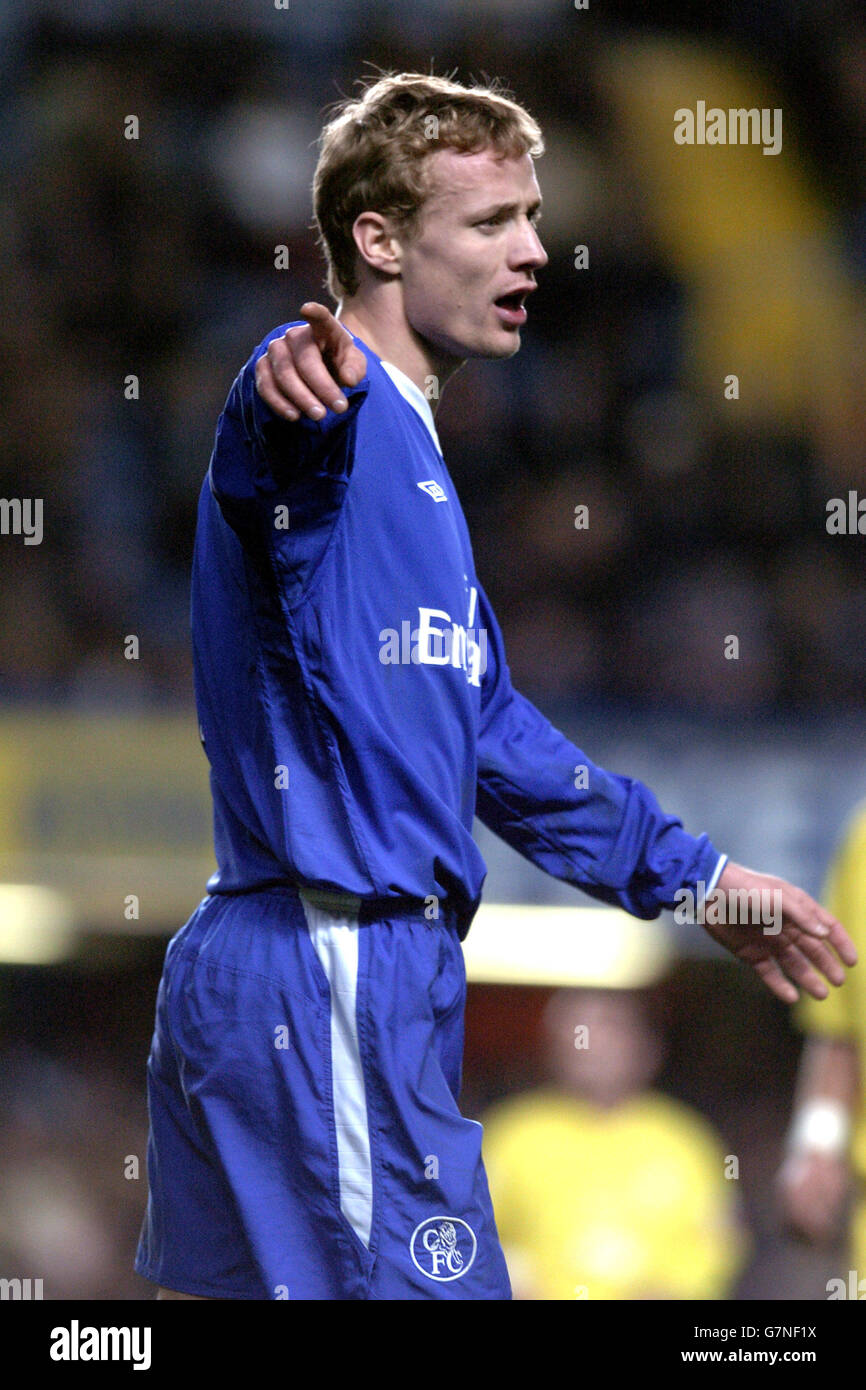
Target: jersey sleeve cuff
{"points": [[717, 872]]}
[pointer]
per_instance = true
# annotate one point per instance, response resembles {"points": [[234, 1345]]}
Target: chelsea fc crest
{"points": [[443, 1248]]}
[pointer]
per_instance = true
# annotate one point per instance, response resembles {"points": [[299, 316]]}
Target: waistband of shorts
{"points": [[373, 909], [365, 910]]}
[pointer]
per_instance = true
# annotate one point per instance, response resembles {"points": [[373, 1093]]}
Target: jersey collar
{"points": [[416, 398]]}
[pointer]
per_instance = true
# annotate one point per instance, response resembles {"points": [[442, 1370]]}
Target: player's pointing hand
{"points": [[802, 946], [302, 372]]}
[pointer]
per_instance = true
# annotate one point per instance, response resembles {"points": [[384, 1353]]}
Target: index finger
{"points": [[333, 339]]}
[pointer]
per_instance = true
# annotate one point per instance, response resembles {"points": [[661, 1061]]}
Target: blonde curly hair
{"points": [[373, 154]]}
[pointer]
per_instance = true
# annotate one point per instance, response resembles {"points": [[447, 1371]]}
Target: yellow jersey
{"points": [[627, 1203]]}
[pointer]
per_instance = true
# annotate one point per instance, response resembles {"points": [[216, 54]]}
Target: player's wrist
{"points": [[820, 1126]]}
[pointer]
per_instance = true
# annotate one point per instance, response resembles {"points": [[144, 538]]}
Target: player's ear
{"points": [[377, 242]]}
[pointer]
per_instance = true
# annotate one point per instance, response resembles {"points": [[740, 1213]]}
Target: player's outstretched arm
{"points": [[301, 372], [802, 944]]}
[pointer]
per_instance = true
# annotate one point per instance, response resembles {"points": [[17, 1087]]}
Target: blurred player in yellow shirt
{"points": [[823, 1178], [603, 1189]]}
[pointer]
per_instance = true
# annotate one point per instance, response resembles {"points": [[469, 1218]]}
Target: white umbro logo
{"points": [[434, 490]]}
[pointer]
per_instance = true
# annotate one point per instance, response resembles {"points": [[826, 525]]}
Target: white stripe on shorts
{"points": [[334, 935]]}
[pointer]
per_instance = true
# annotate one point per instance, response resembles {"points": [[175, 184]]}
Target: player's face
{"points": [[476, 243]]}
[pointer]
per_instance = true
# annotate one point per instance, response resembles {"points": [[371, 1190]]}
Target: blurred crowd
{"points": [[153, 258]]}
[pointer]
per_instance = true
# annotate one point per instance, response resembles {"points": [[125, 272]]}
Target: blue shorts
{"points": [[305, 1138]]}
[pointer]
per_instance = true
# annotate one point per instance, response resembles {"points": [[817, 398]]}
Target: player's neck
{"points": [[393, 340]]}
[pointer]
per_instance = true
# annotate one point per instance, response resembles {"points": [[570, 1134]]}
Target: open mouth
{"points": [[510, 307]]}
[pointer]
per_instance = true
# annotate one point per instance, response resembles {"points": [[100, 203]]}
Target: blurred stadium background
{"points": [[154, 257]]}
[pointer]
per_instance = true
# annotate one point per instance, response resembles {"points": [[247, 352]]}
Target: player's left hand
{"points": [[802, 944]]}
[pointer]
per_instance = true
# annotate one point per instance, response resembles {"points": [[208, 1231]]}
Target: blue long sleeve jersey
{"points": [[353, 695]]}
